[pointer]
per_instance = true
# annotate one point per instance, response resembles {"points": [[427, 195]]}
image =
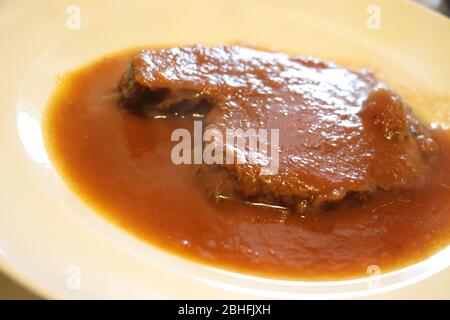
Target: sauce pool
{"points": [[120, 164]]}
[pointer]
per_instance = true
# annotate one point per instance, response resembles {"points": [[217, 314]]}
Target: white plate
{"points": [[49, 239]]}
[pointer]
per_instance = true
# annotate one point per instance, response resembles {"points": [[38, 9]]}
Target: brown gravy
{"points": [[120, 164]]}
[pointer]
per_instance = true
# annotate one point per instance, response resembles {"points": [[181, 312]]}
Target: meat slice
{"points": [[341, 131]]}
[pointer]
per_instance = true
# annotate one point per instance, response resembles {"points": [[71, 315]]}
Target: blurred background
{"points": [[9, 289], [442, 6]]}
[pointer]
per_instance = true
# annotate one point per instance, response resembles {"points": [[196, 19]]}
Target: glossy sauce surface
{"points": [[120, 164], [341, 131]]}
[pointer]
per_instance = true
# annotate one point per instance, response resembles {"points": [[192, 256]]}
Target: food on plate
{"points": [[342, 133], [359, 179]]}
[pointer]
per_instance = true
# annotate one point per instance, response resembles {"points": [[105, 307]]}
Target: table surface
{"points": [[9, 290]]}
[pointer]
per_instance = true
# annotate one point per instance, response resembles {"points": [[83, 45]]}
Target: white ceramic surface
{"points": [[47, 233]]}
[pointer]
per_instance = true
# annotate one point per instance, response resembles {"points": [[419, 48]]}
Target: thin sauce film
{"points": [[120, 164]]}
